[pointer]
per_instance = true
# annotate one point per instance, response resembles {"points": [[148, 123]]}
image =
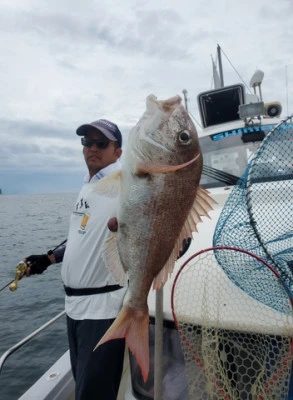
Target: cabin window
{"points": [[221, 105]]}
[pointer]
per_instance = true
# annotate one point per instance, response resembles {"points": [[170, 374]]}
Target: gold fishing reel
{"points": [[20, 271]]}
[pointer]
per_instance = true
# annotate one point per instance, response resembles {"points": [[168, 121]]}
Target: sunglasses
{"points": [[101, 144]]}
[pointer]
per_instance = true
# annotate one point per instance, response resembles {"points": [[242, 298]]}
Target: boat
{"points": [[233, 124]]}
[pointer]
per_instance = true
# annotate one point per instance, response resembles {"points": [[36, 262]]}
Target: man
{"points": [[93, 298]]}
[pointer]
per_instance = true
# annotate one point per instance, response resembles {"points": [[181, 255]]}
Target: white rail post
{"points": [[158, 373]]}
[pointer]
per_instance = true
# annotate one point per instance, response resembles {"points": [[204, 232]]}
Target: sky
{"points": [[68, 62]]}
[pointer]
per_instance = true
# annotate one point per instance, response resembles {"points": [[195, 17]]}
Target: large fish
{"points": [[160, 205]]}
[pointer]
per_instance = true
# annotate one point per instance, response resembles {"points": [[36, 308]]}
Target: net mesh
{"points": [[269, 198], [258, 216], [234, 346]]}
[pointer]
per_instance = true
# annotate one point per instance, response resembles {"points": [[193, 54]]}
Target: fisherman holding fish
{"points": [[93, 297], [159, 206]]}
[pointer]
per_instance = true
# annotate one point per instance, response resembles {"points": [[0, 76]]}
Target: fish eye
{"points": [[184, 137]]}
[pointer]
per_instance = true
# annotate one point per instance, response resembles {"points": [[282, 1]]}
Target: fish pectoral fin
{"points": [[112, 260], [151, 168], [132, 325], [109, 185], [201, 207]]}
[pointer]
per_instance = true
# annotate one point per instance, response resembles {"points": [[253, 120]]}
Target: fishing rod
{"points": [[20, 271]]}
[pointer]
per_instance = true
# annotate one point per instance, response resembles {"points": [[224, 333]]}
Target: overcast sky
{"points": [[69, 62]]}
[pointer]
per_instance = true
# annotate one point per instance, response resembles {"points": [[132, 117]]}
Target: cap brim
{"points": [[83, 130]]}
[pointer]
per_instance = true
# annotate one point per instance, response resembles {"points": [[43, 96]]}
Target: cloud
{"points": [[64, 63], [31, 145]]}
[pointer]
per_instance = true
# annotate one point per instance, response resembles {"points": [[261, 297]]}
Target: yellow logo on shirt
{"points": [[84, 221]]}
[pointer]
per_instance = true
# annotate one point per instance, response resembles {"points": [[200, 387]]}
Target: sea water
{"points": [[31, 224]]}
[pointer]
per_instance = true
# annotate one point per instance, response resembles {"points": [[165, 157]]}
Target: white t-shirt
{"points": [[83, 265]]}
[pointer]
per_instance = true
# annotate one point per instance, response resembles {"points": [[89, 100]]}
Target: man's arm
{"points": [[37, 264]]}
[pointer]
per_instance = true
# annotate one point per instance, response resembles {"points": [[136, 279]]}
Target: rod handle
{"points": [[20, 271]]}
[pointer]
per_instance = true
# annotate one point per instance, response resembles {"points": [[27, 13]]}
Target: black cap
{"points": [[107, 128]]}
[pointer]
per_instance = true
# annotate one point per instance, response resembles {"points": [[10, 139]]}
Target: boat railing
{"points": [[18, 345]]}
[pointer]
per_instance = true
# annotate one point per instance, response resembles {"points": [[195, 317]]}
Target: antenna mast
{"points": [[184, 91], [286, 75], [220, 65]]}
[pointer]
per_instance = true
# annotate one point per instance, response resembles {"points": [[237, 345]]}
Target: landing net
{"points": [[258, 216], [234, 346]]}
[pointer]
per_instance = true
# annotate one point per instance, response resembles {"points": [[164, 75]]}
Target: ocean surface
{"points": [[31, 224]]}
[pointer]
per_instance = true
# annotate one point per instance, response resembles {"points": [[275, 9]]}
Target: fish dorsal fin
{"points": [[151, 103], [201, 207], [109, 185], [112, 260], [169, 105]]}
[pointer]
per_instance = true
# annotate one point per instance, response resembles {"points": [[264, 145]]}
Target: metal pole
{"points": [[220, 66], [158, 373], [260, 94], [286, 74]]}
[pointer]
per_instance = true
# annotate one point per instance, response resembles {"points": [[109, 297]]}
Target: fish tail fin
{"points": [[134, 327]]}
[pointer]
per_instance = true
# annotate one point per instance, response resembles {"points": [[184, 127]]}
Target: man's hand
{"points": [[113, 224], [37, 264]]}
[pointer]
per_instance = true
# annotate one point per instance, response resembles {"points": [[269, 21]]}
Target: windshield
{"points": [[228, 152]]}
